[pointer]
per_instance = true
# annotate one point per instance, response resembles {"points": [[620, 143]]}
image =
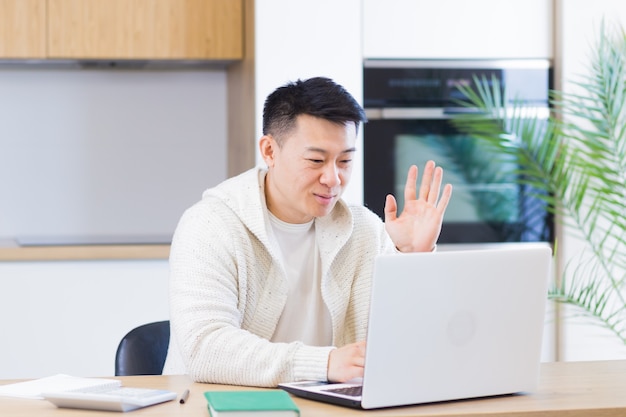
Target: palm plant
{"points": [[576, 162]]}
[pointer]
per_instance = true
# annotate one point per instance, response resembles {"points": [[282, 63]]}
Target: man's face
{"points": [[309, 173]]}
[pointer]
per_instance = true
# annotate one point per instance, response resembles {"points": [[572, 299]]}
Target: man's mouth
{"points": [[325, 197]]}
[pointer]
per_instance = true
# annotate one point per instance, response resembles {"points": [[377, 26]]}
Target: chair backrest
{"points": [[143, 350]]}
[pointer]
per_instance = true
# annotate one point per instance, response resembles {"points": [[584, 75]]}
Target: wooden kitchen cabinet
{"points": [[22, 29], [145, 29]]}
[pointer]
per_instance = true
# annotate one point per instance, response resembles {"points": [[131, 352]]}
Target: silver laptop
{"points": [[447, 326]]}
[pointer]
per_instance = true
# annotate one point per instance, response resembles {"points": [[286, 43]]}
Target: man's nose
{"points": [[330, 176]]}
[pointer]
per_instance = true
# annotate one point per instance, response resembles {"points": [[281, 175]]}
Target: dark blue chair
{"points": [[143, 350]]}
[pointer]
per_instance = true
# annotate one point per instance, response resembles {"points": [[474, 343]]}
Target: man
{"points": [[271, 270]]}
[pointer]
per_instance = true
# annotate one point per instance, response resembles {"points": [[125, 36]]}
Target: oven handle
{"points": [[413, 113], [398, 113]]}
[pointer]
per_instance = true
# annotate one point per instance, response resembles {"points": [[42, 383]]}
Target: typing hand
{"points": [[419, 225], [346, 362]]}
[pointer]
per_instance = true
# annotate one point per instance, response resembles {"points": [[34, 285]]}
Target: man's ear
{"points": [[267, 146]]}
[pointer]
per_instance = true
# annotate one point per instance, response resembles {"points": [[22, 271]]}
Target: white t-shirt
{"points": [[305, 317]]}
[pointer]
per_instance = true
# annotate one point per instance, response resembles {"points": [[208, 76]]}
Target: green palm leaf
{"points": [[576, 162]]}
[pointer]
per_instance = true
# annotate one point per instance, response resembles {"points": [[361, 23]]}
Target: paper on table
{"points": [[55, 383]]}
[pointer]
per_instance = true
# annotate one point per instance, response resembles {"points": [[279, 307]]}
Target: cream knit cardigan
{"points": [[228, 287]]}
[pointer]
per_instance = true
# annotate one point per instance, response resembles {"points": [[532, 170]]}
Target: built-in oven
{"points": [[409, 105]]}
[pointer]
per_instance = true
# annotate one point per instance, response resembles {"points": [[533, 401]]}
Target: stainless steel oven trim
{"points": [[390, 113], [458, 63], [405, 113]]}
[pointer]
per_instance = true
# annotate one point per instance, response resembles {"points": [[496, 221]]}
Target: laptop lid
{"points": [[450, 325], [455, 325]]}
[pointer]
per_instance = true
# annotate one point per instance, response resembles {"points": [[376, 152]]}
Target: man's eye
{"points": [[316, 161]]}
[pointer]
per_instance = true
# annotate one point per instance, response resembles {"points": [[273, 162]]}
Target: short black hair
{"points": [[319, 96]]}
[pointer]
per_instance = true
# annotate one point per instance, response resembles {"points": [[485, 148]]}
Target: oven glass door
{"points": [[487, 205]]}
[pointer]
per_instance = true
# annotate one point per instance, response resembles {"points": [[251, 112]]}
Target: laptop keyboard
{"points": [[354, 391]]}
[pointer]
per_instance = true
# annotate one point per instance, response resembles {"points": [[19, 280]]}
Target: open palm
{"points": [[417, 228]]}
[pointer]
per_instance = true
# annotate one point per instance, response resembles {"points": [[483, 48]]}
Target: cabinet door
{"points": [[22, 29], [444, 29], [145, 29]]}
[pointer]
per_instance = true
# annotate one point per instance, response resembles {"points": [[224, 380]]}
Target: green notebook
{"points": [[251, 403]]}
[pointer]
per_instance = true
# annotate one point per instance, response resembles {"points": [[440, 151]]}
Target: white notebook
{"points": [[59, 382], [87, 393]]}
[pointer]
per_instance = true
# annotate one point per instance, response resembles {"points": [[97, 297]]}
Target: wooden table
{"points": [[568, 389]]}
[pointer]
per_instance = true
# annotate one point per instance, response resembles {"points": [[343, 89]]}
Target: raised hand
{"points": [[418, 227]]}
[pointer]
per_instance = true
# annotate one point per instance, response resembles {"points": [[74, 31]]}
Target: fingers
{"points": [[430, 185], [359, 354], [445, 198], [409, 187], [430, 189], [391, 208], [435, 186], [427, 179], [346, 362]]}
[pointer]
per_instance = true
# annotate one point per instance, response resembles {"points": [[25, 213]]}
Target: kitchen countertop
{"points": [[11, 251]]}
